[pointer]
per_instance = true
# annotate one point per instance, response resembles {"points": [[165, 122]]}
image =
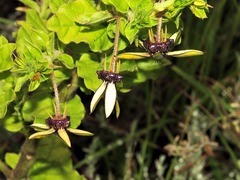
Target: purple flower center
{"points": [[109, 76], [162, 47], [58, 122]]}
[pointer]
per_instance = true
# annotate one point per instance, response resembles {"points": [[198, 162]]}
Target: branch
{"points": [[26, 160]]}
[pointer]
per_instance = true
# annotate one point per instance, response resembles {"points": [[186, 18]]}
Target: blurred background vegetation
{"points": [[184, 125]]}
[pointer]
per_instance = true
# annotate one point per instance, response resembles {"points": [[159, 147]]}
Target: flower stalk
{"points": [[159, 27], [115, 48], [58, 123], [110, 78], [56, 94]]}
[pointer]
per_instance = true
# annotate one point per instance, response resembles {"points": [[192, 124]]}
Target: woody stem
{"points": [[115, 48], [159, 28], [56, 94]]}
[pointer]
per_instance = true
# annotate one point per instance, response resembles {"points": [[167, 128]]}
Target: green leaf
{"points": [[50, 45], [120, 6], [3, 40], [32, 51], [198, 12], [93, 18], [68, 31], [75, 109], [86, 68], [56, 4], [131, 32], [12, 123], [66, 60], [20, 81], [33, 18], [77, 8], [11, 159], [162, 6], [7, 94], [141, 15], [62, 74], [27, 46], [39, 37], [33, 85], [54, 159], [38, 108], [32, 4], [6, 51]]}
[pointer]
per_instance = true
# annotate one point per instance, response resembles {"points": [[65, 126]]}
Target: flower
{"points": [[57, 124], [158, 50], [109, 87]]}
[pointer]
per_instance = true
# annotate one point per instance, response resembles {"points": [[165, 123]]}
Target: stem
{"points": [[4, 169], [27, 158], [58, 112], [115, 48], [159, 28]]}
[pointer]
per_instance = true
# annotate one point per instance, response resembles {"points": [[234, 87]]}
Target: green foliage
{"points": [[54, 164], [64, 42], [11, 159]]}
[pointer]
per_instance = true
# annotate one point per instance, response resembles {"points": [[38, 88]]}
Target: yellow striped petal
{"points": [[110, 98], [151, 35], [79, 132], [185, 53], [175, 36], [133, 55], [40, 126], [64, 136], [117, 107], [97, 96], [41, 134]]}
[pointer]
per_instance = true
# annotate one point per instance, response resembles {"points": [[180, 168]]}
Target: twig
{"points": [[26, 160], [4, 169]]}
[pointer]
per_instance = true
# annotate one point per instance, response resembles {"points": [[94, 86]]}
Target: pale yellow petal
{"points": [[151, 35], [79, 132], [42, 134], [175, 36], [185, 53], [110, 98], [117, 107], [64, 136], [40, 126], [133, 55], [97, 96]]}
